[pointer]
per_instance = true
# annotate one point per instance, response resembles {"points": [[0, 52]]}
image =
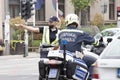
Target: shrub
{"points": [[108, 26], [62, 23], [36, 43], [17, 33], [97, 21], [16, 20]]}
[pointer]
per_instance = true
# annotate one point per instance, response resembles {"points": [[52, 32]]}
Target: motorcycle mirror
{"points": [[109, 40]]}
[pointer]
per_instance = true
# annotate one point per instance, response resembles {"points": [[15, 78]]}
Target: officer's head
{"points": [[72, 19], [53, 21]]}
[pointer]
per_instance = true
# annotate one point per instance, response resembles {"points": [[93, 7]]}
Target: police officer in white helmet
{"points": [[75, 38]]}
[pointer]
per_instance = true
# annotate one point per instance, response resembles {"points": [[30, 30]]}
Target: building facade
{"points": [[110, 14], [65, 6]]}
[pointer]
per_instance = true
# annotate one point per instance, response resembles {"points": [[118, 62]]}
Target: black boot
{"points": [[42, 70]]}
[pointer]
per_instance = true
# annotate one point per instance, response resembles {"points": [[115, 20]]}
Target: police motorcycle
{"points": [[64, 65]]}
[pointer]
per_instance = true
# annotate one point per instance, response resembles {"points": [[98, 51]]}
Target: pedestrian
{"points": [[75, 38], [49, 35]]}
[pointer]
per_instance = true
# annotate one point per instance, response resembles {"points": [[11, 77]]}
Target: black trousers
{"points": [[41, 65], [89, 60]]}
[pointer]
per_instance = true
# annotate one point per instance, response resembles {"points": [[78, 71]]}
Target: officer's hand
{"points": [[55, 47], [96, 43], [19, 25]]}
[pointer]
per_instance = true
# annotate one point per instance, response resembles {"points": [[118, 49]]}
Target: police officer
{"points": [[49, 40], [49, 37], [75, 38]]}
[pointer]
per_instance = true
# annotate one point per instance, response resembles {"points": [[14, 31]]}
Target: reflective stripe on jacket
{"points": [[45, 38]]}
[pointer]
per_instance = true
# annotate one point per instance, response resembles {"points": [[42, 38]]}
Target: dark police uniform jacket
{"points": [[74, 38]]}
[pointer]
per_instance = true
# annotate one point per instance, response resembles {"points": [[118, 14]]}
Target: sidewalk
{"points": [[30, 55]]}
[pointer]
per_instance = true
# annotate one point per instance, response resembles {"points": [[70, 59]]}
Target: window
{"points": [[40, 14], [14, 8], [111, 9]]}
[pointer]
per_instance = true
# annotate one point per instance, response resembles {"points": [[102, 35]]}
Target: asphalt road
{"points": [[19, 68]]}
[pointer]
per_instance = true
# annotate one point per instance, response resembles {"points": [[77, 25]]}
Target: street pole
{"points": [[103, 10], [26, 43], [33, 19], [57, 8], [7, 28], [27, 7], [26, 38], [34, 14]]}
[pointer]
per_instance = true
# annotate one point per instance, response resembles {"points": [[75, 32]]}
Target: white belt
{"points": [[47, 49]]}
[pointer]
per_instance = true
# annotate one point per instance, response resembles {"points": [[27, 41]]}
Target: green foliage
{"points": [[111, 25], [81, 4], [17, 35], [97, 21], [36, 43], [62, 23], [37, 36], [88, 30], [16, 20], [14, 35]]}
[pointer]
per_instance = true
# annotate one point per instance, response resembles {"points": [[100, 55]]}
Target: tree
{"points": [[82, 5]]}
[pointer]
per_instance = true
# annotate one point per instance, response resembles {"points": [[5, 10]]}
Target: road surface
{"points": [[19, 68]]}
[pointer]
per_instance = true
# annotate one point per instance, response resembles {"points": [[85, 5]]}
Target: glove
{"points": [[96, 43]]}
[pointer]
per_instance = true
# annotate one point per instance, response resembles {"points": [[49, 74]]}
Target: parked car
{"points": [[108, 33], [108, 64]]}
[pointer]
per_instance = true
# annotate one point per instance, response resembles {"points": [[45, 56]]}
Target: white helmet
{"points": [[71, 18]]}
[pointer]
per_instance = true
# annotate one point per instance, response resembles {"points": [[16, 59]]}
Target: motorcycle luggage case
{"points": [[75, 68]]}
